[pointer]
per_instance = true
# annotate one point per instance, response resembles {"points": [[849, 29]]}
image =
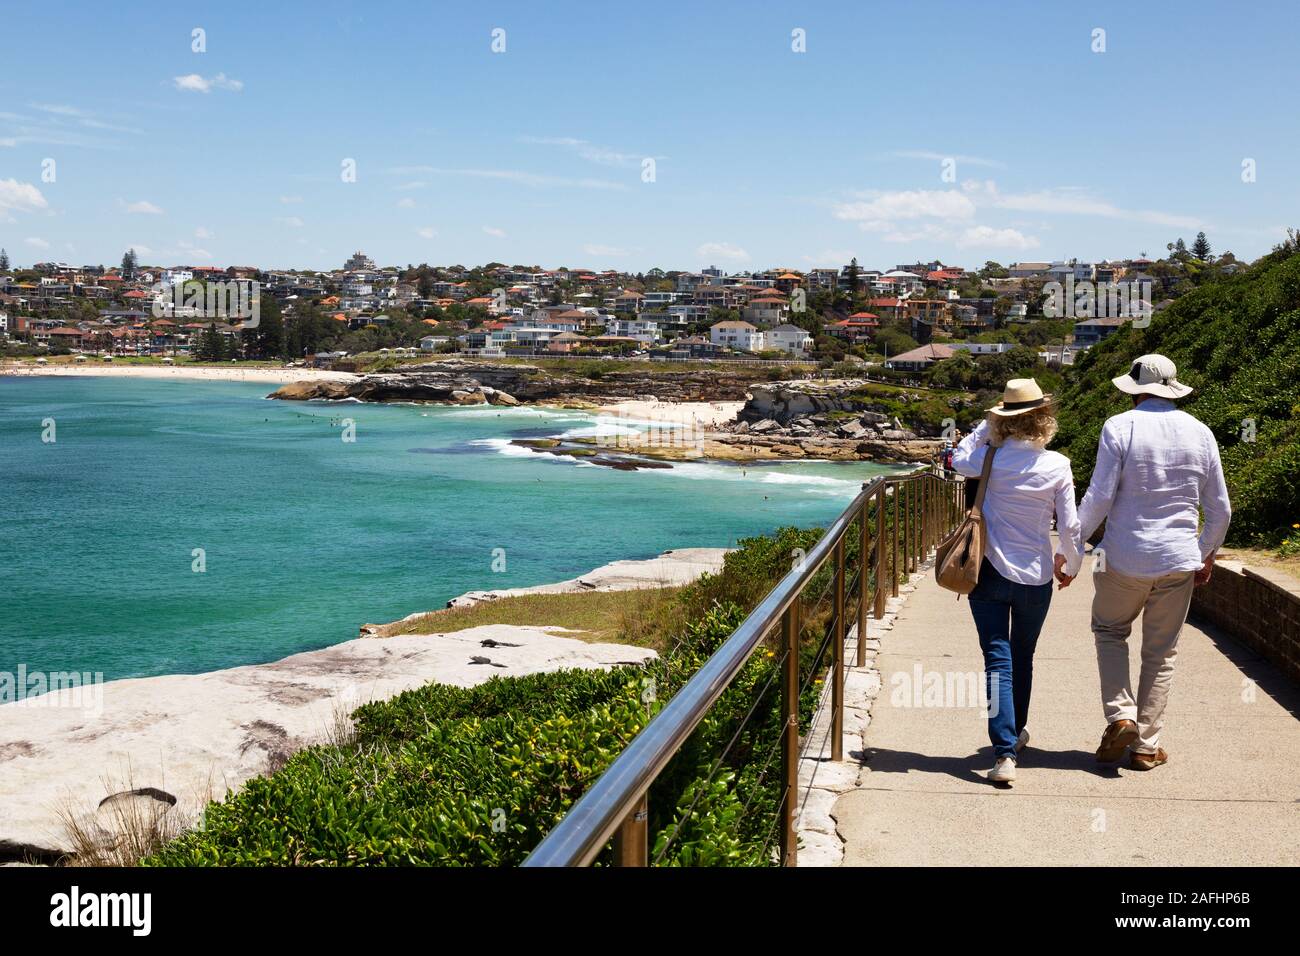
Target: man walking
{"points": [[1155, 467]]}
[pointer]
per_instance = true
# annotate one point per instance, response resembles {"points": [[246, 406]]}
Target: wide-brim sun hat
{"points": [[1022, 395], [1152, 375]]}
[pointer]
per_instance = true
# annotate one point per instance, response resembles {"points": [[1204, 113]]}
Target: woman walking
{"points": [[1027, 485]]}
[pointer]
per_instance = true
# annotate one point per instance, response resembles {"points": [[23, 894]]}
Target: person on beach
{"points": [[1027, 485], [1156, 466]]}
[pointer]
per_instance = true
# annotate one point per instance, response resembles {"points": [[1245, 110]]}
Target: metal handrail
{"points": [[615, 805]]}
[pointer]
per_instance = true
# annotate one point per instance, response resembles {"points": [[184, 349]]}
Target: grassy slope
{"points": [[1237, 342], [634, 617]]}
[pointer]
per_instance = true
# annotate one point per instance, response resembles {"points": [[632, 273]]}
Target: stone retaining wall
{"points": [[1259, 608]]}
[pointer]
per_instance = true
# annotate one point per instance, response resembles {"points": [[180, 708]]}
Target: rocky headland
{"points": [[779, 420]]}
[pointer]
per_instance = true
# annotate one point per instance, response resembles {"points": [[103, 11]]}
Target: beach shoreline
{"points": [[200, 373]]}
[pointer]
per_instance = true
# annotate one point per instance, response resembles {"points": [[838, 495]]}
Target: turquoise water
{"points": [[306, 536]]}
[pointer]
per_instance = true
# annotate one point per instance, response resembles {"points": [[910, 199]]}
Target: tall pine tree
{"points": [[4, 261], [1201, 247]]}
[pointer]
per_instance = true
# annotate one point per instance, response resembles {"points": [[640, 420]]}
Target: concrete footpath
{"points": [[1230, 794]]}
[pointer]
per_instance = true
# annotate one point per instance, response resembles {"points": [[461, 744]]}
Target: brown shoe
{"points": [[1149, 761], [1115, 740]]}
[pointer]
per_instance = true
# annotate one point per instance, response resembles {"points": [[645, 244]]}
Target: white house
{"points": [[789, 338], [737, 335], [643, 330]]}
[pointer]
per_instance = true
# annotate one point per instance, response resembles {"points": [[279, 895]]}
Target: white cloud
{"points": [[878, 213], [987, 236], [495, 232], [722, 250], [20, 197], [202, 233], [596, 249], [289, 200], [142, 207], [426, 232], [592, 153], [948, 215], [194, 83], [1075, 202], [406, 203], [535, 180], [36, 242], [293, 222]]}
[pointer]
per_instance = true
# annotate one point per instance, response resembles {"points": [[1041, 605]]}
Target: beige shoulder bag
{"points": [[958, 558]]}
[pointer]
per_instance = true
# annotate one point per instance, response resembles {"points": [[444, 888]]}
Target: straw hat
{"points": [[1020, 396], [1152, 375]]}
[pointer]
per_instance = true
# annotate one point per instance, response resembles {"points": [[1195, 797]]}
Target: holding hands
{"points": [[1062, 579]]}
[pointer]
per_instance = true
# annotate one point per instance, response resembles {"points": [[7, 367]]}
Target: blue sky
{"points": [[763, 156]]}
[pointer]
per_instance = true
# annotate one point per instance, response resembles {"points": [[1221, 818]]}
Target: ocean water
{"points": [[305, 536]]}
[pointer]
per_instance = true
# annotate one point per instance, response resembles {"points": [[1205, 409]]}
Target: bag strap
{"points": [[978, 507]]}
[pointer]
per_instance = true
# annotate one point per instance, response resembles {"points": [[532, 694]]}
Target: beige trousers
{"points": [[1163, 604]]}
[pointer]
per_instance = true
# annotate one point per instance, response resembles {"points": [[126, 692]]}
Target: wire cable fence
{"points": [[716, 769]]}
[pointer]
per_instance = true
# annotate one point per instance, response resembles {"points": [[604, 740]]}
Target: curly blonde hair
{"points": [[1037, 427]]}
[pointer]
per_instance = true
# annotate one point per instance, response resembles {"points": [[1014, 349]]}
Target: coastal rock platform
{"points": [[192, 737]]}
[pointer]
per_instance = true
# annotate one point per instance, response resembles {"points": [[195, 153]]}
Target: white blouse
{"points": [[1027, 485]]}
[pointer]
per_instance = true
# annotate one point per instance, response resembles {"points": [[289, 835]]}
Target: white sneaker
{"points": [[1022, 740], [1004, 771]]}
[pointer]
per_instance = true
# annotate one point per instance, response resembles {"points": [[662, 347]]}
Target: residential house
{"points": [[737, 335], [858, 328], [789, 338], [1027, 270], [767, 309], [919, 359]]}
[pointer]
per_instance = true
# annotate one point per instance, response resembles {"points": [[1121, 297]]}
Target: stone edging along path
{"points": [[822, 780]]}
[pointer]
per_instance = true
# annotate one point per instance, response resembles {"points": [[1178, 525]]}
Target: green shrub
{"points": [[1236, 341]]}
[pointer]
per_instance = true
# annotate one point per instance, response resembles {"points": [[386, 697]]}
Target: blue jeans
{"points": [[1008, 617]]}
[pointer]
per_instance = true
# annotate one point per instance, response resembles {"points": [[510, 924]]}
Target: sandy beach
{"points": [[207, 373], [699, 415]]}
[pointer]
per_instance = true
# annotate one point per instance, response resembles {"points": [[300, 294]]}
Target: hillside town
{"points": [[907, 318]]}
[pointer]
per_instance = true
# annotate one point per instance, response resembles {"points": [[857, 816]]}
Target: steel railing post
{"points": [[880, 552], [864, 579], [790, 731], [837, 690], [631, 846], [893, 557]]}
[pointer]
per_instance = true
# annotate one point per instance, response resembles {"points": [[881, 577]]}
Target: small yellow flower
{"points": [[1296, 526]]}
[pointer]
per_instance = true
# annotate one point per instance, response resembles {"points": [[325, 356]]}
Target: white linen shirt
{"points": [[1155, 466], [1027, 484]]}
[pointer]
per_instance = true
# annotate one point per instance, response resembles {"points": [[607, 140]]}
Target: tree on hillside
{"points": [[892, 340], [129, 264], [267, 340], [4, 261], [853, 277], [1201, 247], [211, 346], [993, 270]]}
